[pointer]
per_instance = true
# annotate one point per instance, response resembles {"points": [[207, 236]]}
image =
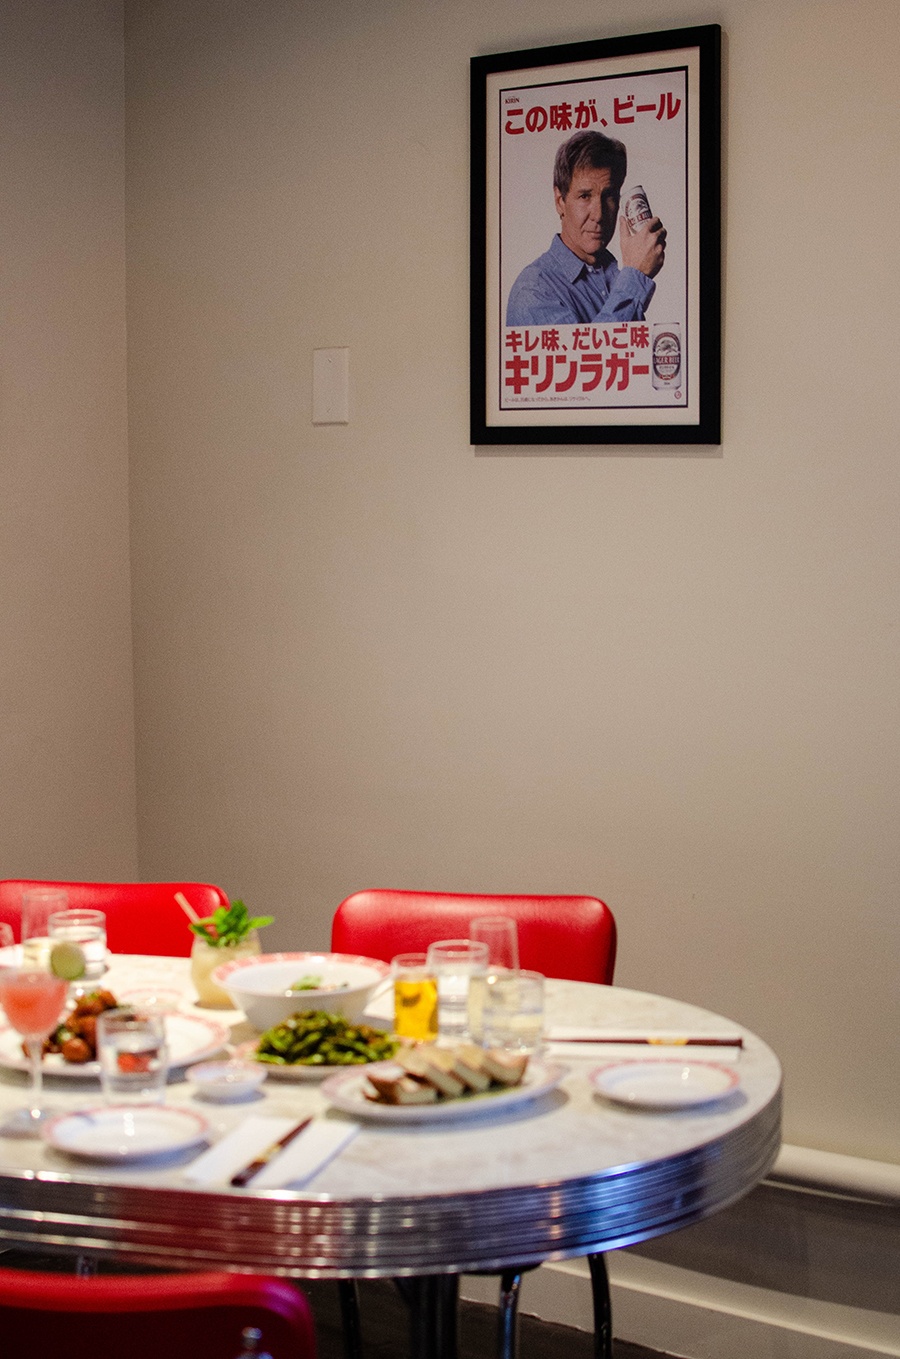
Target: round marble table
{"points": [[567, 1174]]}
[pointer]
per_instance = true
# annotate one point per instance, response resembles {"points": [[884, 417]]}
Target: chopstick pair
{"points": [[242, 1177], [649, 1040]]}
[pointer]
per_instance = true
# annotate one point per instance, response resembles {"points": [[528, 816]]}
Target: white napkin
{"points": [[296, 1165]]}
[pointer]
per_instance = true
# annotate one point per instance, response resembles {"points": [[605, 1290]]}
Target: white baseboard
{"points": [[680, 1312]]}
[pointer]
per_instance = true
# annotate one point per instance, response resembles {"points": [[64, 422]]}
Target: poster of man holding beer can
{"points": [[592, 268]]}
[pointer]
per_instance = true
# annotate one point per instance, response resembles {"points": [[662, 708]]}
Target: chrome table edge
{"points": [[306, 1235]]}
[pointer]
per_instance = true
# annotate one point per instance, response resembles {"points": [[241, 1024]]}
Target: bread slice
{"points": [[402, 1090], [434, 1065], [468, 1065], [506, 1068]]}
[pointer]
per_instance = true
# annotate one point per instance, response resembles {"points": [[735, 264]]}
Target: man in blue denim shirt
{"points": [[578, 279]]}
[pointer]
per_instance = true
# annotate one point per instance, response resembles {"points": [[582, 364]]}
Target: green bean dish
{"points": [[315, 1038]]}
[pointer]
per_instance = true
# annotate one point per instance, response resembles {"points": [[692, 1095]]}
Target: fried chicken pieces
{"points": [[76, 1037]]}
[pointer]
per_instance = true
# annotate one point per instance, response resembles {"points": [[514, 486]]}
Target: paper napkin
{"points": [[294, 1166]]}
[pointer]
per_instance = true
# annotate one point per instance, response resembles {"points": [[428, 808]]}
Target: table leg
{"points": [[433, 1303], [602, 1307], [507, 1328], [351, 1327]]}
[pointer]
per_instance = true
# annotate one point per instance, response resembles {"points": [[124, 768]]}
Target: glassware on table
{"points": [[205, 958], [133, 1055], [415, 997], [501, 934], [455, 962], [33, 1000], [7, 938], [512, 1011], [38, 904], [85, 928]]}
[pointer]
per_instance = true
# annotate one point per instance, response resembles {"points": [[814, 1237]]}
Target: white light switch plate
{"points": [[331, 386]]}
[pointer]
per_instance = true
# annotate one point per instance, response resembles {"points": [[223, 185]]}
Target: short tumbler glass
{"points": [[85, 928], [415, 997], [512, 1015], [134, 1056]]}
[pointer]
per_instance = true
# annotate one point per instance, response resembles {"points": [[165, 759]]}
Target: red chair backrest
{"points": [[141, 917], [150, 1316], [561, 936]]}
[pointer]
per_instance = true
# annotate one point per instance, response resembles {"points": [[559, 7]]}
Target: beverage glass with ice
{"points": [[85, 928], [512, 1014], [134, 1057]]}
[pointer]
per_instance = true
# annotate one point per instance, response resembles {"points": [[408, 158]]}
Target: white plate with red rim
{"points": [[191, 1038], [347, 1092], [126, 1132], [664, 1083]]}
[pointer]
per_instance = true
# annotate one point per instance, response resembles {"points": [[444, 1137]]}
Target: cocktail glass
{"points": [[33, 1000]]}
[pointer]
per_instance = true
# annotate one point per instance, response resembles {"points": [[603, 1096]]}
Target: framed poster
{"points": [[595, 250]]}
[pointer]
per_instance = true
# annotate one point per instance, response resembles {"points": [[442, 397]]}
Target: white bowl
{"points": [[224, 1081], [261, 986]]}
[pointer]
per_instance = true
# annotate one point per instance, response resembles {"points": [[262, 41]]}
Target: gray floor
{"points": [[385, 1329]]}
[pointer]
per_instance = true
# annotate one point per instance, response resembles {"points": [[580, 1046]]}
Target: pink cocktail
{"points": [[33, 1001]]}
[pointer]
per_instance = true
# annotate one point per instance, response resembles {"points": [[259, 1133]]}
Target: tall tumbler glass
{"points": [[454, 963], [38, 904], [501, 934]]}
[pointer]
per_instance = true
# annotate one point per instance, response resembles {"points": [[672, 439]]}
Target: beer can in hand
{"points": [[665, 349], [636, 207]]}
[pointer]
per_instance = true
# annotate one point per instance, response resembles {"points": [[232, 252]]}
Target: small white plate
{"points": [[191, 1039], [227, 1080], [667, 1083], [347, 1092], [126, 1132]]}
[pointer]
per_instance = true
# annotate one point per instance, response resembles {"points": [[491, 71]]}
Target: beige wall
{"points": [[366, 656], [67, 802]]}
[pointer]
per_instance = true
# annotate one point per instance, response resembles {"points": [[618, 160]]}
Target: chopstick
{"points": [[244, 1176], [663, 1042]]}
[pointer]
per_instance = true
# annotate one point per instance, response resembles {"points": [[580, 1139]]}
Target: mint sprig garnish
{"points": [[228, 925]]}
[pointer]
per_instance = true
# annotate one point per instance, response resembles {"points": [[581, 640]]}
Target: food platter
{"points": [[191, 1038], [347, 1093]]}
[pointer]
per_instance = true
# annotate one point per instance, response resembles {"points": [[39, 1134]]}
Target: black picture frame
{"points": [[611, 378]]}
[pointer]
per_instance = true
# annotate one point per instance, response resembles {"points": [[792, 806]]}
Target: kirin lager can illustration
{"points": [[665, 349], [637, 207]]}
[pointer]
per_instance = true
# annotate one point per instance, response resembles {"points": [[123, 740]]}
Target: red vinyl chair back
{"points": [[151, 1316], [561, 936], [141, 917]]}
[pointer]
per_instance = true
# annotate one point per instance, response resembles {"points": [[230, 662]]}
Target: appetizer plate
{"points": [[666, 1083], [347, 1092], [120, 1132], [191, 1039]]}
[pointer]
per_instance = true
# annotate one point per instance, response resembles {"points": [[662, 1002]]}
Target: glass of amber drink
{"points": [[415, 998]]}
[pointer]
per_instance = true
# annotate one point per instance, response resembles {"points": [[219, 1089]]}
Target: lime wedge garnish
{"points": [[67, 961]]}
